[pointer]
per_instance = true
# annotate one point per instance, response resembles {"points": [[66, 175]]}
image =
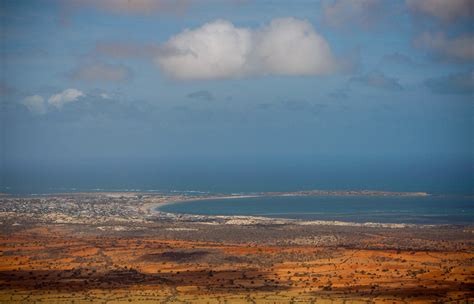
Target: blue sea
{"points": [[360, 209], [239, 174]]}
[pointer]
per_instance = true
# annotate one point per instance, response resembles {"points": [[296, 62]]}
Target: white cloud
{"points": [[101, 72], [292, 47], [458, 48], [66, 96], [35, 104], [215, 50], [219, 50], [446, 10]]}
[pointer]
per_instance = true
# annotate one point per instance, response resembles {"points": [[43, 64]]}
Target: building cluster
{"points": [[72, 208]]}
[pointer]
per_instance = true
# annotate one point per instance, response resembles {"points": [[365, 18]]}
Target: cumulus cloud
{"points": [[101, 72], [378, 80], [201, 95], [446, 10], [39, 105], [220, 50], [35, 104], [459, 84], [340, 13], [215, 50], [458, 48], [291, 47], [64, 97]]}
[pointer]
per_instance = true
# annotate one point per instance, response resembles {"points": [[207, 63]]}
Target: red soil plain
{"points": [[78, 248]]}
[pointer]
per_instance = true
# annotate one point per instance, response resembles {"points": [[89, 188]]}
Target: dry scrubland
{"points": [[140, 256]]}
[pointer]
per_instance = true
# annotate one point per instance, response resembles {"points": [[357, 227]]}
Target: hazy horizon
{"points": [[240, 174]]}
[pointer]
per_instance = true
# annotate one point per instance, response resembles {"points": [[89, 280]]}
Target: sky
{"points": [[143, 79]]}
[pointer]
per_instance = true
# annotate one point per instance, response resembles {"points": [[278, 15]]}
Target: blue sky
{"points": [[157, 79]]}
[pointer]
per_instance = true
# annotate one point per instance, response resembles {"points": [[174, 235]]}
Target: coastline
{"points": [[262, 220], [147, 205], [116, 247]]}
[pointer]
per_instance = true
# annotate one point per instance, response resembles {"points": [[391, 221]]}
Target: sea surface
{"points": [[239, 175], [436, 209]]}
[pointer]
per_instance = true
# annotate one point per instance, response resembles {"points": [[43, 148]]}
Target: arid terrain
{"points": [[113, 247]]}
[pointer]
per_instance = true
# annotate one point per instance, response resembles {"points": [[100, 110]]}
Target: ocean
{"points": [[431, 210], [239, 175]]}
